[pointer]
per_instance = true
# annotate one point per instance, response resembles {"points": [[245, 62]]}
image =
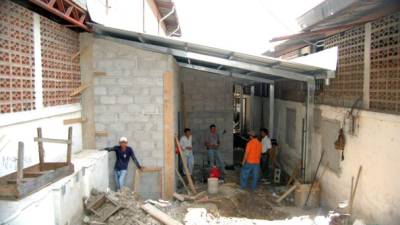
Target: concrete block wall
{"points": [[208, 100], [128, 101]]}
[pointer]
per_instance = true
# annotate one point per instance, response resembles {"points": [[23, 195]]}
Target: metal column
{"points": [[252, 107], [271, 110], [309, 157]]}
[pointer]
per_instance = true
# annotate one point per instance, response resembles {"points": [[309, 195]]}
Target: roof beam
{"points": [[226, 73], [263, 70], [66, 10]]}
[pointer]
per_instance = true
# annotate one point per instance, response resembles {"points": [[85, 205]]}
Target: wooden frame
{"points": [[95, 207], [31, 179], [138, 175]]}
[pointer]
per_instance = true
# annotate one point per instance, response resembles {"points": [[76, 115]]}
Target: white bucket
{"points": [[212, 185]]}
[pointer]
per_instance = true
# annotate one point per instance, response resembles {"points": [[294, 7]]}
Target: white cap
{"points": [[123, 139]]}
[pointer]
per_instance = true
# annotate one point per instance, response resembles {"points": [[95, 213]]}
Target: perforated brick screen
{"points": [[347, 86], [16, 59], [385, 64], [61, 74]]}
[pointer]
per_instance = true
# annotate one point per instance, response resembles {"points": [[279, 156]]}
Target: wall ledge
{"points": [[23, 117]]}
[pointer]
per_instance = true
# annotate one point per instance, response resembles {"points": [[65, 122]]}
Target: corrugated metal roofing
{"points": [[223, 60]]}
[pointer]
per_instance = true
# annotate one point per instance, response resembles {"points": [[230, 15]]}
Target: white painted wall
{"points": [[132, 15], [62, 201], [375, 147]]}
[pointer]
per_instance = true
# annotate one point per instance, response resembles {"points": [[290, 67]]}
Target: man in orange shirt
{"points": [[251, 161]]}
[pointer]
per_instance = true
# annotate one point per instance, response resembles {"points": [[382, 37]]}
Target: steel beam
{"points": [[309, 158], [225, 73], [65, 9], [263, 70], [271, 109]]}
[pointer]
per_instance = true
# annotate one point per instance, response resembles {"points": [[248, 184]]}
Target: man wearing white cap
{"points": [[123, 152]]}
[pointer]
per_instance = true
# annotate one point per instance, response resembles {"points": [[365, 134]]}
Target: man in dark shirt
{"points": [[123, 152]]}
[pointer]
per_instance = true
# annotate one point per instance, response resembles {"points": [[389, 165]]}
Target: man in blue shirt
{"points": [[123, 152]]}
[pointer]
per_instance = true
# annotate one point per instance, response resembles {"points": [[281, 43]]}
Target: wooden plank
{"points": [[69, 146], [77, 91], [185, 168], [179, 197], [169, 157], [73, 57], [101, 133], [52, 140], [40, 148], [353, 193], [30, 185], [151, 169], [294, 174], [99, 73], [137, 181], [182, 181], [159, 215], [20, 163], [74, 120], [286, 193]]}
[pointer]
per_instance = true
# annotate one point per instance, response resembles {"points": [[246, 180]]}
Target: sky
{"points": [[240, 25]]}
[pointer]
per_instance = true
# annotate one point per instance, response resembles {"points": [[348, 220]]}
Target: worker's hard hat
{"points": [[123, 139]]}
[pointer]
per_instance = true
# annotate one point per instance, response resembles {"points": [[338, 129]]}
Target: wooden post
{"points": [[353, 193], [40, 148], [169, 157], [185, 168], [20, 163], [69, 145]]}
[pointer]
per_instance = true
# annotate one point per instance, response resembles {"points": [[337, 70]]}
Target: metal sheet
{"points": [[266, 66]]}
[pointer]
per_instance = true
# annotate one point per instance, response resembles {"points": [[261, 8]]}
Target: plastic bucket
{"points": [[301, 193], [212, 183]]}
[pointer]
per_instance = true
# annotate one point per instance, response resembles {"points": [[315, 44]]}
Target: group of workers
{"points": [[255, 156]]}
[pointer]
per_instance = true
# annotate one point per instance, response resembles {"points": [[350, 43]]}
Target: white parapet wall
{"points": [[61, 202], [22, 126]]}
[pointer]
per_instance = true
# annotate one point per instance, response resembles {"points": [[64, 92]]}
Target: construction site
{"points": [[110, 123]]}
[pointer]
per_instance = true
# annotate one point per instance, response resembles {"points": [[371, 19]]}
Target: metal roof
{"points": [[332, 17], [217, 60]]}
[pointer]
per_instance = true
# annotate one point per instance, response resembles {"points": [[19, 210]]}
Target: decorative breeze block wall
{"points": [[61, 74], [347, 86], [385, 64], [16, 59]]}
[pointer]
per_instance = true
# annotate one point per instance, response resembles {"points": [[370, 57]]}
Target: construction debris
{"points": [[159, 215]]}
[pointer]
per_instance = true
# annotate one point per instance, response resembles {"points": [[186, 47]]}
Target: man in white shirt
{"points": [[187, 148], [266, 146]]}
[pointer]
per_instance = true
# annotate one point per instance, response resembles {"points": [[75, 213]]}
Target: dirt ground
{"points": [[231, 201]]}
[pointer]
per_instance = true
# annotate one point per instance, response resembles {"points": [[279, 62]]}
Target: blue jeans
{"points": [[119, 178], [189, 160], [247, 169], [213, 154]]}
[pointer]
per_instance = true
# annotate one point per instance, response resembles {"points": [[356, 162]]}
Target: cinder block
{"points": [[124, 99], [107, 100], [141, 99], [125, 81], [117, 90], [100, 91], [134, 108]]}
